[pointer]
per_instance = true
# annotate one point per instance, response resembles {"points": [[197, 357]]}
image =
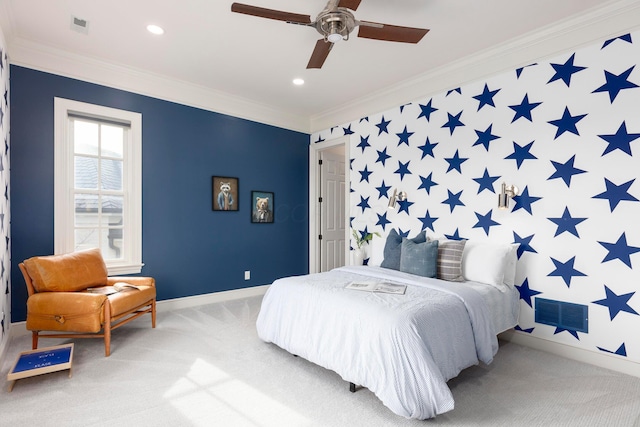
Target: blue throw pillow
{"points": [[420, 259], [393, 247]]}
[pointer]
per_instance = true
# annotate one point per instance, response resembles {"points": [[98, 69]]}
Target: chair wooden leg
{"points": [[153, 313], [34, 340], [107, 328]]}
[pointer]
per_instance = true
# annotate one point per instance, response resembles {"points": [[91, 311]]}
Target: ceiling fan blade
{"points": [[349, 4], [270, 13], [320, 53], [392, 33]]}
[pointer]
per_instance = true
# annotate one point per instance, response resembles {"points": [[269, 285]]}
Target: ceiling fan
{"points": [[335, 23]]}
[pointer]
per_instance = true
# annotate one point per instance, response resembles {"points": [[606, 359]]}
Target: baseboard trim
{"points": [[212, 298], [602, 360]]}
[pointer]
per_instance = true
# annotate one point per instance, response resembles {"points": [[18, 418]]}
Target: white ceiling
{"points": [[243, 65]]}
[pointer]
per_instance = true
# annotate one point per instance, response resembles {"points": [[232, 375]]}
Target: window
{"points": [[98, 183]]}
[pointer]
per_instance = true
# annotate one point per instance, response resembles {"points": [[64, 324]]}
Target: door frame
{"points": [[315, 150]]}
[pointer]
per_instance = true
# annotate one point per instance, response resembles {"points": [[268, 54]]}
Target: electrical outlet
{"points": [[247, 275]]}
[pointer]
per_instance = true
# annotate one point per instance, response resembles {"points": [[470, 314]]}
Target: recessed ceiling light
{"points": [[298, 82], [154, 29]]}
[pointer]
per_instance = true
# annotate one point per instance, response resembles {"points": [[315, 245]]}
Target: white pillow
{"points": [[376, 251], [489, 263], [510, 268]]}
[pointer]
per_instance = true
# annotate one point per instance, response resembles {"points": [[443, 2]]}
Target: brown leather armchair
{"points": [[59, 300]]}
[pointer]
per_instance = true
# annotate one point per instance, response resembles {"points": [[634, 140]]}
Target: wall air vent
{"points": [[565, 315], [79, 25]]}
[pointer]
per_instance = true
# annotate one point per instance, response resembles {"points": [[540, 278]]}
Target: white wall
{"points": [[5, 214], [573, 156]]}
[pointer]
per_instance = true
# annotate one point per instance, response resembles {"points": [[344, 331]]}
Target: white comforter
{"points": [[401, 347]]}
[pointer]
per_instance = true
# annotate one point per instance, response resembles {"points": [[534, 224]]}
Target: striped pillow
{"points": [[450, 260]]}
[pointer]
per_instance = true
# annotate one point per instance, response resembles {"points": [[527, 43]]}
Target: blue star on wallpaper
{"points": [[485, 222], [567, 223], [364, 174], [453, 122], [574, 333], [382, 126], [567, 123], [625, 37], [565, 71], [486, 97], [524, 109], [566, 170], [616, 83], [455, 162], [453, 200], [621, 351], [524, 200], [382, 220], [520, 153], [427, 148], [404, 136], [524, 244], [616, 303], [383, 190], [426, 110], [565, 270], [454, 236], [382, 156], [427, 183], [364, 143], [616, 193], [364, 203], [404, 205], [527, 331], [485, 137], [526, 293], [403, 169], [621, 140], [619, 250], [485, 182], [427, 221]]}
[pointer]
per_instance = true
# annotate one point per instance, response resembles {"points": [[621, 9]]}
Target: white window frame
{"points": [[64, 205]]}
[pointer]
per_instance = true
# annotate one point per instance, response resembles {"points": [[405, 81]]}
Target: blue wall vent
{"points": [[565, 315]]}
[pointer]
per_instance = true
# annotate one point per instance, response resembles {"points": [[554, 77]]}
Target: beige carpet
{"points": [[205, 366]]}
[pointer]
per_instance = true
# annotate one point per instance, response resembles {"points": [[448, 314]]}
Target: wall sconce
{"points": [[401, 196], [507, 192]]}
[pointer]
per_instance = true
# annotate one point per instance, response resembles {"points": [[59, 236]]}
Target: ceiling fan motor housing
{"points": [[335, 25]]}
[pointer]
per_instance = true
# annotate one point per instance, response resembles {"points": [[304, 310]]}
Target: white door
{"points": [[332, 208]]}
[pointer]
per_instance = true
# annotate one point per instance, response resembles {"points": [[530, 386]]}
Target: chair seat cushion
{"points": [[65, 311], [124, 301], [67, 273]]}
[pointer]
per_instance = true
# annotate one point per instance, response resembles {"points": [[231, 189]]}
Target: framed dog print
{"points": [[224, 193], [262, 203]]}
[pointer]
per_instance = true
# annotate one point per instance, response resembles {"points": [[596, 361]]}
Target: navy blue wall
{"points": [[187, 247]]}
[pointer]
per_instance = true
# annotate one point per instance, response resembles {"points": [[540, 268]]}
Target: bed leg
{"points": [[352, 387]]}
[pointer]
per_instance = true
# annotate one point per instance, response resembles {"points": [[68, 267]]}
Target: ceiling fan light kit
{"points": [[335, 23]]}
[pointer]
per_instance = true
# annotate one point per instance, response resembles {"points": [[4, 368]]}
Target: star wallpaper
{"points": [[566, 132], [5, 250]]}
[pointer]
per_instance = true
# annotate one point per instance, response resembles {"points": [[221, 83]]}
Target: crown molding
{"points": [[595, 25], [610, 20], [56, 61]]}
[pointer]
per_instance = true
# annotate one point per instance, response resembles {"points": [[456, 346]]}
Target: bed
{"points": [[402, 347]]}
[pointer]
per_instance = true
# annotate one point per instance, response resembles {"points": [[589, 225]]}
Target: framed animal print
{"points": [[262, 207], [224, 193]]}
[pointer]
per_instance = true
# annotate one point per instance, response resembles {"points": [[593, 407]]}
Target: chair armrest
{"points": [[134, 280]]}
